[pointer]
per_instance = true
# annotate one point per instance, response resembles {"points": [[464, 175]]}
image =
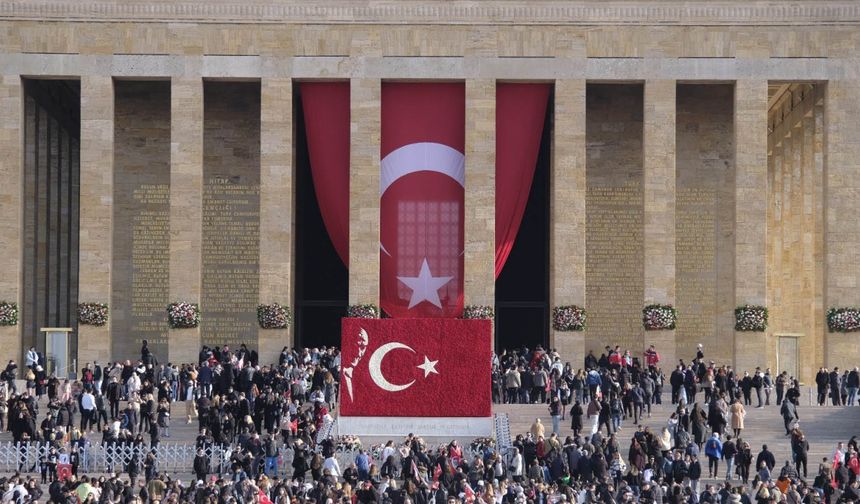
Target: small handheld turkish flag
{"points": [[416, 367]]}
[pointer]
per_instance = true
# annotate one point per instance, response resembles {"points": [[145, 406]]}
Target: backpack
{"points": [[711, 446]]}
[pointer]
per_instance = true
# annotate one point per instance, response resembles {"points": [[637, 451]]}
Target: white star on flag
{"points": [[425, 287], [428, 367]]}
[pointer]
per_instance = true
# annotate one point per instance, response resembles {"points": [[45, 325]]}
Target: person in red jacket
{"points": [[652, 358]]}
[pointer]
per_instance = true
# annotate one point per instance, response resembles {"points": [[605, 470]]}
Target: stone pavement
{"points": [[823, 426]]}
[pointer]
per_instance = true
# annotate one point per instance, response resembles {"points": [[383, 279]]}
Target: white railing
{"points": [[171, 457]]}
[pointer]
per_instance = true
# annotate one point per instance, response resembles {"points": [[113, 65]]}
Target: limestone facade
{"points": [[799, 252]]}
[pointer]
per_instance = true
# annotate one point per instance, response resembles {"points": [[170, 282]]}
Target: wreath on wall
{"points": [[659, 317], [843, 319], [368, 310], [183, 315], [95, 314], [751, 318], [478, 312], [8, 313], [274, 316], [568, 318]]}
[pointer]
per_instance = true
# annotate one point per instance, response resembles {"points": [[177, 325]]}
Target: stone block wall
{"points": [[570, 43], [141, 231], [614, 256], [795, 296], [231, 213], [704, 220]]}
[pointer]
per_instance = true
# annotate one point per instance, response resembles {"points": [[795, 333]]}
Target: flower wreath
{"points": [[843, 319], [183, 315], [750, 318], [478, 312], [659, 317], [8, 313], [568, 318], [95, 314], [274, 316], [368, 310]]}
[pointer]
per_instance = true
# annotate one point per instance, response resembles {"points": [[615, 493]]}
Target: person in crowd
{"points": [[738, 413], [259, 436]]}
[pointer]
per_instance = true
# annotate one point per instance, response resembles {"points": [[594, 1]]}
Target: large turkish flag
{"points": [[421, 199], [416, 367]]}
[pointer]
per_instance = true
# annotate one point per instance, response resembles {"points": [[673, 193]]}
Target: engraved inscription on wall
{"points": [[704, 221], [150, 246], [231, 213], [141, 228], [614, 264], [231, 251], [614, 247], [695, 262]]}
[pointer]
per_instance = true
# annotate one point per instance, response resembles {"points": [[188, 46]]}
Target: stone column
{"points": [[276, 207], [819, 223], [96, 211], [841, 187], [480, 198], [659, 215], [11, 145], [567, 211], [750, 213], [364, 145], [186, 209]]}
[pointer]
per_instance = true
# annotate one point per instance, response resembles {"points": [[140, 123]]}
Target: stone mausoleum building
{"points": [[703, 154]]}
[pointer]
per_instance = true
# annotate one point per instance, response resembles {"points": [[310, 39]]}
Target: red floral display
{"points": [[416, 367]]}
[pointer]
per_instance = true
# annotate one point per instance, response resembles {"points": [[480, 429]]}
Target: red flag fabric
{"points": [[520, 113], [326, 112], [468, 493], [421, 199], [262, 498], [416, 367], [64, 471]]}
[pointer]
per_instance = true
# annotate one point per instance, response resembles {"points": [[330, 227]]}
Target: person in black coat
{"points": [[599, 468], [145, 354], [767, 457], [154, 432], [679, 469], [676, 380], [300, 463], [694, 472], [132, 467], [822, 381], [201, 465], [800, 450], [576, 418], [698, 421], [834, 387]]}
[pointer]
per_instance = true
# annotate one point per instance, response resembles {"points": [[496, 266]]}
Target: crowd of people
{"points": [[255, 410]]}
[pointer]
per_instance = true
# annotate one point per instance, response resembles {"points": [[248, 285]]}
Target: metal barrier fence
{"points": [[176, 458], [107, 458]]}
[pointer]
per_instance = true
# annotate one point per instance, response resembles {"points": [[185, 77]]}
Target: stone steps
{"points": [[823, 426]]}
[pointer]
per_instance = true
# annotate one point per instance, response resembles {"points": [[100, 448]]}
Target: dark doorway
{"points": [[52, 123], [321, 280], [522, 289]]}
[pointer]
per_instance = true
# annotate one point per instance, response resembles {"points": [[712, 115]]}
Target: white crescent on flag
{"points": [[375, 367], [422, 156]]}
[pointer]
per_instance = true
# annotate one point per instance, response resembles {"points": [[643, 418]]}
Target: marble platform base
{"points": [[420, 426]]}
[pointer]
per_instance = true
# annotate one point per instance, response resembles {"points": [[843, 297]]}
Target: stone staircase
{"points": [[823, 426]]}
